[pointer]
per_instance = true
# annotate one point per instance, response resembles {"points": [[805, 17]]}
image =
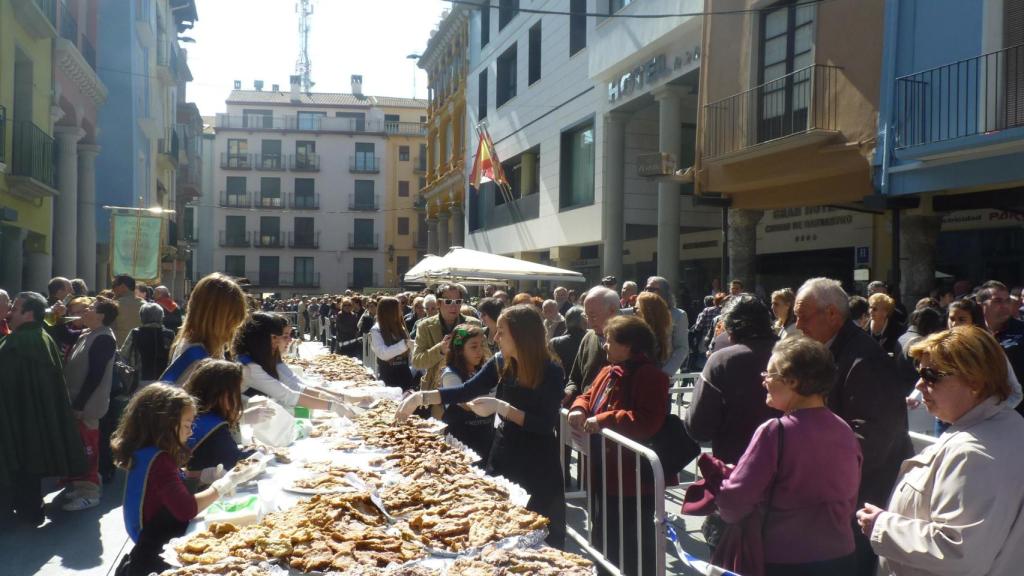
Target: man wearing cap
{"points": [[611, 283]]}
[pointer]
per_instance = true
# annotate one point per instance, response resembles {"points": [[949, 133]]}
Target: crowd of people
{"points": [[802, 397]]}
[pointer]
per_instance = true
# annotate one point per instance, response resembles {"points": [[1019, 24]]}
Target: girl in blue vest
{"points": [[150, 443], [217, 387]]}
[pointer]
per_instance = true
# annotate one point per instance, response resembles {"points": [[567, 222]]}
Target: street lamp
{"points": [[416, 57]]}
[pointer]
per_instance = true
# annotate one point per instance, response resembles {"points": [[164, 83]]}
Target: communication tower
{"points": [[303, 66]]}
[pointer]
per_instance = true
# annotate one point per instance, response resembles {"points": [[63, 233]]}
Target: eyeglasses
{"points": [[931, 375], [449, 301], [772, 375]]}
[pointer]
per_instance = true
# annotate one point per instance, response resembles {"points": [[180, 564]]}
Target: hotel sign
{"points": [[645, 74]]}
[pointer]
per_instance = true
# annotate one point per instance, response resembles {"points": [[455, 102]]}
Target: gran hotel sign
{"points": [[646, 74]]}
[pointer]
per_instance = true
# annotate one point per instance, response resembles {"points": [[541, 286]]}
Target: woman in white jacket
{"points": [[259, 347], [956, 509], [391, 345]]}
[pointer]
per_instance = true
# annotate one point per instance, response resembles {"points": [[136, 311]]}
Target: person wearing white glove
{"points": [[528, 395], [210, 475], [257, 415], [225, 485]]}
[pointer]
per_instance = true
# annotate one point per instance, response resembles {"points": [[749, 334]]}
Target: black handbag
{"points": [[673, 446], [124, 381]]}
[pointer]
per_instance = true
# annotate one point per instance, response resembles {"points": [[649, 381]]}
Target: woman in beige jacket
{"points": [[956, 507]]}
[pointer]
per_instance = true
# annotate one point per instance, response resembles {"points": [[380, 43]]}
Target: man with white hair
{"points": [[629, 292], [5, 307], [600, 306], [562, 298], [554, 323], [867, 394]]}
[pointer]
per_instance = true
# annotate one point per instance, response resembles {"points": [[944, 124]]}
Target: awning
{"points": [[471, 266]]}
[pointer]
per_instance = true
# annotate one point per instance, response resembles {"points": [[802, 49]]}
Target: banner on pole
{"points": [[135, 246]]}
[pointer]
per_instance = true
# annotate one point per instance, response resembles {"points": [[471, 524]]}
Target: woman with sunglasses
{"points": [[956, 507]]}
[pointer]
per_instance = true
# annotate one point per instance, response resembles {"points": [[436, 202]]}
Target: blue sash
{"points": [[135, 489], [244, 359], [193, 353], [205, 424]]}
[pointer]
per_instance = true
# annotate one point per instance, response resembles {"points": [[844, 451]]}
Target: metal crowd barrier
{"points": [[369, 357], [584, 481]]}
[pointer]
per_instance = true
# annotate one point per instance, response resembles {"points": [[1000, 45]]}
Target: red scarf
{"points": [[168, 304]]}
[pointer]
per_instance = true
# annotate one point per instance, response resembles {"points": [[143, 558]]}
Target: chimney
{"points": [[357, 85], [258, 85], [238, 84], [295, 81], [276, 87]]}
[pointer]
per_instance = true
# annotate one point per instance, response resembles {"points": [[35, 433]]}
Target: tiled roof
{"points": [[321, 99]]}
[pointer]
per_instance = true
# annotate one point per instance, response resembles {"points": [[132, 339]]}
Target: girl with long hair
{"points": [[216, 308], [652, 309], [783, 301], [527, 400], [151, 444], [466, 355], [260, 346], [391, 344]]}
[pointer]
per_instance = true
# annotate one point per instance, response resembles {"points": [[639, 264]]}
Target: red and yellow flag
{"points": [[486, 166]]}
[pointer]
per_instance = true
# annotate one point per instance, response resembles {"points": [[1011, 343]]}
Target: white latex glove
{"points": [[357, 398], [488, 405], [342, 409], [225, 486], [210, 475], [409, 405], [576, 419], [257, 415]]}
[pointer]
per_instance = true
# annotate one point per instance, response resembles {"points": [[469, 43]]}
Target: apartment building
{"points": [[308, 184]]}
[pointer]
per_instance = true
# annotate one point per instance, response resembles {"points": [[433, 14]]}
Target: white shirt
{"points": [[381, 349], [282, 392]]}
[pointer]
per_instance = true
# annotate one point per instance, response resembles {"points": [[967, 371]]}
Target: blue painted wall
{"points": [[921, 35]]}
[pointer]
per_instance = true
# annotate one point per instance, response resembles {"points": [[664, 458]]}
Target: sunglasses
{"points": [[449, 302], [931, 375]]}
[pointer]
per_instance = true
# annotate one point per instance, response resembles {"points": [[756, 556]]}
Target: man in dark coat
{"points": [[38, 434], [601, 305], [867, 395], [998, 308], [567, 345]]}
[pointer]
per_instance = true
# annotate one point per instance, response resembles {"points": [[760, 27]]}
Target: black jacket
{"points": [[566, 347], [869, 397]]}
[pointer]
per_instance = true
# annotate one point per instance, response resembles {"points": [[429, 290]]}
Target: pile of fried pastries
{"points": [[334, 368]]}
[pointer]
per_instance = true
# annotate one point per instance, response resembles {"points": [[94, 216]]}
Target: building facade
{"points": [[446, 61], [405, 240], [27, 115], [143, 67], [951, 136], [304, 186]]}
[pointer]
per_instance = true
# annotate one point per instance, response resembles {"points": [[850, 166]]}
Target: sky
{"points": [[259, 40]]}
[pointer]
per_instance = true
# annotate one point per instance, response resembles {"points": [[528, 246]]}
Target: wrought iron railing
{"points": [[268, 201], [308, 162], [235, 200], [269, 240], [364, 164], [798, 102], [318, 124], [362, 280], [973, 96], [230, 161], [356, 203], [304, 201], [230, 239], [363, 241], [270, 162], [309, 240], [32, 153]]}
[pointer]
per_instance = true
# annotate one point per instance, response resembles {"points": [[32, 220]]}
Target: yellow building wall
{"points": [[35, 216], [396, 206]]}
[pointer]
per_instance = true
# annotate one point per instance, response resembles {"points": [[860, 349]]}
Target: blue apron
{"points": [[193, 353], [135, 489], [205, 424]]}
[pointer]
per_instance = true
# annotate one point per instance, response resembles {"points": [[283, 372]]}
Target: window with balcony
{"points": [[485, 25], [306, 158], [403, 188], [403, 226], [310, 120], [363, 232], [270, 155], [363, 196], [235, 194], [305, 273], [365, 159], [270, 231], [270, 193], [257, 118], [577, 166], [305, 233], [402, 266], [481, 100], [403, 153], [577, 26], [786, 52], [362, 272], [391, 122], [507, 10], [238, 153], [270, 271], [305, 193], [234, 231], [356, 121], [505, 89], [234, 266], [534, 56]]}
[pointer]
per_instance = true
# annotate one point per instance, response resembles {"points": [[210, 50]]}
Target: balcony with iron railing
{"points": [[950, 104], [270, 162], [362, 280], [294, 123], [364, 164], [801, 102], [268, 201], [235, 239], [32, 158], [363, 241], [235, 161], [235, 200], [269, 240], [306, 240], [420, 167], [304, 201], [363, 204], [277, 279], [308, 162]]}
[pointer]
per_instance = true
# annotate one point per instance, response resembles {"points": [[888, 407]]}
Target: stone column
{"points": [[40, 264], [743, 247], [443, 241], [458, 225], [432, 236], [670, 135], [11, 242], [65, 219], [919, 234], [614, 201], [87, 213]]}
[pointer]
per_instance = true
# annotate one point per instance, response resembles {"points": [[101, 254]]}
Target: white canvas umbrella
{"points": [[419, 274], [463, 264]]}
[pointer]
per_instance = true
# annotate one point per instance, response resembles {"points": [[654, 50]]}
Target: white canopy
{"points": [[418, 273], [471, 266]]}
